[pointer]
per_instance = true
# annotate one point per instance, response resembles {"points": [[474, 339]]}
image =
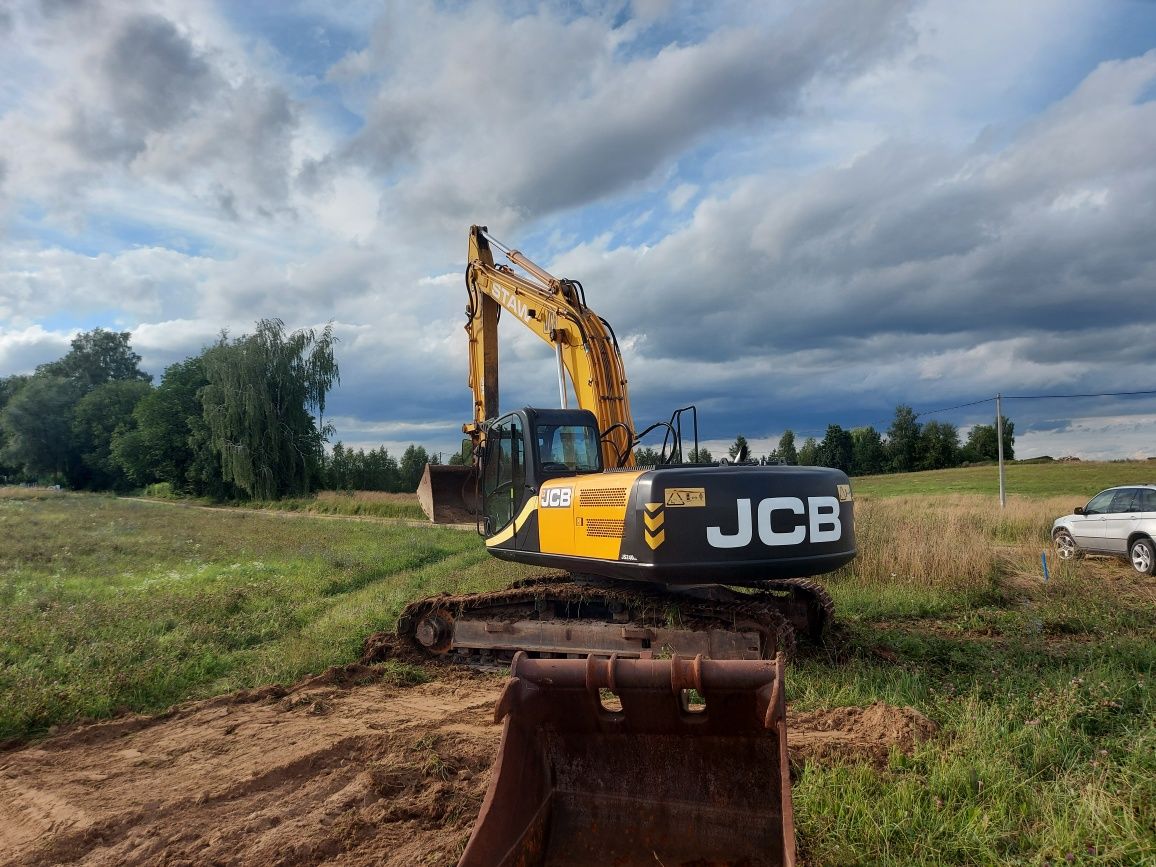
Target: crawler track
{"points": [[579, 615]]}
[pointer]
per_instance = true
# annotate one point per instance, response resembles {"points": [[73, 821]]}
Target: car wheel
{"points": [[1143, 556], [1065, 545]]}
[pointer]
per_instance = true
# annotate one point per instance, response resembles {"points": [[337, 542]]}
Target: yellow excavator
{"points": [[679, 582], [681, 557]]}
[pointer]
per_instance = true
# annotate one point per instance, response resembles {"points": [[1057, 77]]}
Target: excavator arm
{"points": [[555, 310]]}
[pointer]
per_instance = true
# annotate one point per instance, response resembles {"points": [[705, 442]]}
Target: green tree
{"points": [[982, 445], [700, 455], [37, 426], [647, 457], [786, 451], [903, 441], [463, 456], [97, 357], [740, 451], [263, 390], [158, 447], [868, 455], [938, 446], [9, 386], [411, 467], [809, 453], [836, 449], [98, 417]]}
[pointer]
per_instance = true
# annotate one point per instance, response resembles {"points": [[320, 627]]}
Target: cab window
{"points": [[1148, 499], [1100, 503], [504, 477], [1124, 501], [569, 448]]}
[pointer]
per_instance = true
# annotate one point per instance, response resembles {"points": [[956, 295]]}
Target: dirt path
{"points": [[344, 768]]}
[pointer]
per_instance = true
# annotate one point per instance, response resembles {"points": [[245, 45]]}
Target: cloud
{"points": [[21, 350], [148, 79], [792, 215], [558, 119]]}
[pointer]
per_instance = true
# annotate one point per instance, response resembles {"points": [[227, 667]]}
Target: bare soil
{"points": [[344, 768]]}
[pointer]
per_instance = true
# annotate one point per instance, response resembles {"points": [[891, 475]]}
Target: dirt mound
{"points": [[856, 733], [349, 767], [344, 767]]}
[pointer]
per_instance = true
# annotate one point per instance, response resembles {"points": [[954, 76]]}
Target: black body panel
{"points": [[724, 503], [733, 493]]}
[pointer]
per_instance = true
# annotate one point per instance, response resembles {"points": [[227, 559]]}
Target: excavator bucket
{"points": [[659, 781], [448, 494]]}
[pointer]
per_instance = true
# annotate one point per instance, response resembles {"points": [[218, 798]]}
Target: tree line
{"points": [[906, 446], [241, 420]]}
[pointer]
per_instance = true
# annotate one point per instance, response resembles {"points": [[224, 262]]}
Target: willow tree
{"points": [[264, 404]]}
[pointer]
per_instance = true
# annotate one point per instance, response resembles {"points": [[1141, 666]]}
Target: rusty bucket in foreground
{"points": [[448, 494], [659, 782]]}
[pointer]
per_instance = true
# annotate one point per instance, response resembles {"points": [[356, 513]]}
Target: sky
{"points": [[793, 214]]}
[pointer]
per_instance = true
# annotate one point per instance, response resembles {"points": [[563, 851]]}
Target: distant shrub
{"points": [[160, 490]]}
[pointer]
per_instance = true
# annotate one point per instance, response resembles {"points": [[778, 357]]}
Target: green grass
{"points": [[1046, 750], [1079, 480], [110, 605]]}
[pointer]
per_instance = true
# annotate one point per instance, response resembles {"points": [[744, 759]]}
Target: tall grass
{"points": [[377, 504]]}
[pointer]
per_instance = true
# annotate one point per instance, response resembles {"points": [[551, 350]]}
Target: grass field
{"points": [[1078, 479], [1046, 751]]}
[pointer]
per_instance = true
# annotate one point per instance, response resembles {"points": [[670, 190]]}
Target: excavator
{"points": [[671, 584], [680, 557]]}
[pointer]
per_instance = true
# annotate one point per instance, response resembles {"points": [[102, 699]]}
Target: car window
{"points": [[1099, 504], [1124, 500], [1148, 499]]}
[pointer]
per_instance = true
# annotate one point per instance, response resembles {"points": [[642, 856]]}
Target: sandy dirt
{"points": [[343, 768]]}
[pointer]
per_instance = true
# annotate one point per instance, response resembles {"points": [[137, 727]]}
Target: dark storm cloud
{"points": [[557, 122], [151, 78], [915, 242]]}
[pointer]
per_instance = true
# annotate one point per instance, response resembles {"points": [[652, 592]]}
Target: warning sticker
{"points": [[844, 493], [686, 497]]}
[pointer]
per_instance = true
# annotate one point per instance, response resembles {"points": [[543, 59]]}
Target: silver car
{"points": [[1119, 521]]}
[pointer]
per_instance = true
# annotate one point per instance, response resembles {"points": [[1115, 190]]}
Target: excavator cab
{"points": [[526, 448]]}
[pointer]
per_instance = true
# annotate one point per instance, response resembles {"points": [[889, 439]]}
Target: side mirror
{"points": [[1079, 510]]}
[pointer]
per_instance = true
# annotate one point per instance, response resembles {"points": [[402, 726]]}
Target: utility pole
{"points": [[999, 442]]}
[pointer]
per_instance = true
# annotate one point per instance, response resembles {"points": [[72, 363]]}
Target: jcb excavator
{"points": [[682, 580], [653, 554]]}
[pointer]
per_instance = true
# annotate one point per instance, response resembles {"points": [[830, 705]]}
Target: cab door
{"points": [[1088, 528], [1122, 518], [504, 473]]}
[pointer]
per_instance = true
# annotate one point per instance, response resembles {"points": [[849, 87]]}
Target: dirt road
{"points": [[344, 768]]}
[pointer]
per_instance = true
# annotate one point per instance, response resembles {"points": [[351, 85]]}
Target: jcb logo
{"points": [[555, 498], [822, 523]]}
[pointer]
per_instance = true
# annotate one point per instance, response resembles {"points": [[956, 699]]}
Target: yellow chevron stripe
{"points": [[653, 507], [655, 540], [512, 527], [655, 522]]}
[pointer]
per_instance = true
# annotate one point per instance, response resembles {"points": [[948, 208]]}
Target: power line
{"points": [[1058, 396], [957, 406]]}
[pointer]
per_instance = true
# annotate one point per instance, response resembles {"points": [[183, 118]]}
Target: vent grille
{"points": [[602, 497], [606, 528]]}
